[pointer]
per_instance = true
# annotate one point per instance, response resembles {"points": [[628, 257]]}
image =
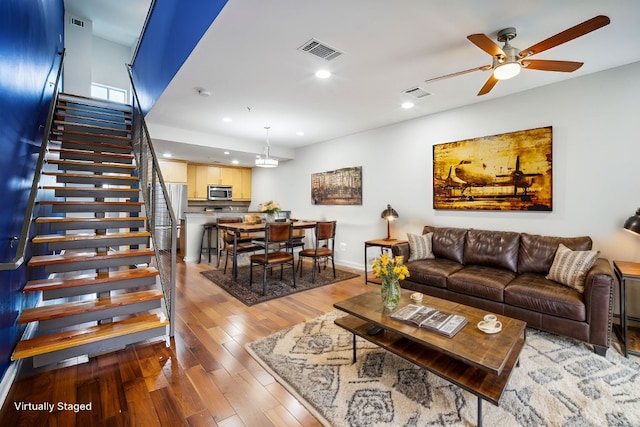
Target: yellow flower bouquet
{"points": [[270, 207], [390, 270]]}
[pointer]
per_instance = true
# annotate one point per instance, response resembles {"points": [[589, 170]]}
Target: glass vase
{"points": [[390, 292], [269, 217]]}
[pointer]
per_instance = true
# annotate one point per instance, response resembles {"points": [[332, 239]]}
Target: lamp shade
{"points": [[633, 223], [389, 215]]}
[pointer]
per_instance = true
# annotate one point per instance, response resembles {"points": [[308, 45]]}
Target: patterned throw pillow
{"points": [[419, 246], [571, 267]]}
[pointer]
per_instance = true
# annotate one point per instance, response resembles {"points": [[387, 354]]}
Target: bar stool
{"points": [[208, 230]]}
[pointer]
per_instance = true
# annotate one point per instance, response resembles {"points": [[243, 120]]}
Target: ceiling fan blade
{"points": [[459, 73], [488, 85], [544, 65], [486, 44], [567, 35]]}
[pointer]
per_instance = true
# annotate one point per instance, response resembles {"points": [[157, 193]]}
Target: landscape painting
{"points": [[510, 171], [338, 187]]}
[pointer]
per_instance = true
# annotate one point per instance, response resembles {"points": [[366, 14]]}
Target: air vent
{"points": [[319, 49], [417, 92], [77, 22]]}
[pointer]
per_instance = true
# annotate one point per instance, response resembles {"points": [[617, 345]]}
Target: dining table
{"points": [[238, 228]]}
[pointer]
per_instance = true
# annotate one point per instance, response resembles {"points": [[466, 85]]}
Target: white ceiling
{"points": [[250, 63], [119, 21]]}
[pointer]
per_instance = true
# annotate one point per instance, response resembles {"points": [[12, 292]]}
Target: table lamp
{"points": [[632, 223], [389, 215]]}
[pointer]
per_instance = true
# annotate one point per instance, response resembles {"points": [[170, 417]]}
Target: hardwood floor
{"points": [[201, 377]]}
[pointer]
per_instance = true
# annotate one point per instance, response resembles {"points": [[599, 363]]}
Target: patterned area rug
{"points": [[276, 288], [560, 382]]}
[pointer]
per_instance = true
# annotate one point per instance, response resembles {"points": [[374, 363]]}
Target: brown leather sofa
{"points": [[504, 273]]}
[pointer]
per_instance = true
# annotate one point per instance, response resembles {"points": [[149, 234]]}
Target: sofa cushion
{"points": [[571, 267], [419, 246], [534, 292], [492, 248], [481, 281], [433, 272], [537, 252], [447, 242]]}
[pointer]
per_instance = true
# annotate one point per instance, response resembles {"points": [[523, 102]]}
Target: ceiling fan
{"points": [[507, 61]]}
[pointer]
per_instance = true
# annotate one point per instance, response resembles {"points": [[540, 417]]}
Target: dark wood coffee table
{"points": [[477, 362]]}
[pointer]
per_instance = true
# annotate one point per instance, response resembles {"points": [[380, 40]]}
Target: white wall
{"points": [[108, 64], [78, 45], [92, 59], [595, 152]]}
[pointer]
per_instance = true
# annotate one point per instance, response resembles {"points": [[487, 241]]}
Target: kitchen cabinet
{"points": [[173, 171], [200, 176], [245, 185], [230, 176]]}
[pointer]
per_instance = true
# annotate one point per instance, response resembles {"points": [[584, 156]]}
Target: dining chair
{"points": [[244, 242], [325, 236], [277, 236]]}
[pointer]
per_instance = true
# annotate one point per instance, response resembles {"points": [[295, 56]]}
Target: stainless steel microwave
{"points": [[219, 192]]}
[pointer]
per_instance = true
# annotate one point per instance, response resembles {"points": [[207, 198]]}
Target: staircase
{"points": [[101, 292]]}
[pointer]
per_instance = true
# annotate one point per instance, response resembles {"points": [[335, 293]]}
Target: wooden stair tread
{"points": [[51, 219], [55, 311], [89, 163], [97, 135], [89, 126], [95, 153], [90, 118], [91, 175], [94, 189], [88, 101], [54, 202], [49, 238], [40, 260], [88, 279], [76, 337], [118, 114], [97, 144]]}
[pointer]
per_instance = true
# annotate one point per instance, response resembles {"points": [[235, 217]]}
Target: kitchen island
{"points": [[194, 230]]}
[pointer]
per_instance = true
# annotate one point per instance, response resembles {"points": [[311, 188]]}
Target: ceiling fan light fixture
{"points": [[507, 70]]}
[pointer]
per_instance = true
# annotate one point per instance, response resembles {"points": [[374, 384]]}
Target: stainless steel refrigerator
{"points": [[177, 194]]}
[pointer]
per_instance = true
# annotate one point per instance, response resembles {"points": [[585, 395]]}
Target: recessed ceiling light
{"points": [[235, 162], [407, 105], [300, 133], [226, 152], [323, 74], [227, 119], [166, 155]]}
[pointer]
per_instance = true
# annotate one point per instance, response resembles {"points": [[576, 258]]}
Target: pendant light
{"points": [[266, 161]]}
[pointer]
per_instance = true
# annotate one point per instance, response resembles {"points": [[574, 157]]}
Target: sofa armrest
{"points": [[401, 249], [598, 300]]}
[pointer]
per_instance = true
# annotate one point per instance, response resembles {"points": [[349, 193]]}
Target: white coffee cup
{"points": [[492, 322]]}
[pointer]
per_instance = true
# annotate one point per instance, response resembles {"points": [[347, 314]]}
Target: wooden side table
{"points": [[629, 336], [382, 244]]}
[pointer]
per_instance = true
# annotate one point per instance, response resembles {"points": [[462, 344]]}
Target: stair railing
{"points": [[23, 239], [161, 219]]}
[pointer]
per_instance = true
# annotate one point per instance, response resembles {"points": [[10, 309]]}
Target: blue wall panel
{"points": [[31, 35], [173, 30]]}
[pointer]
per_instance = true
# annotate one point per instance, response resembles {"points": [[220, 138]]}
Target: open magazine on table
{"points": [[429, 318]]}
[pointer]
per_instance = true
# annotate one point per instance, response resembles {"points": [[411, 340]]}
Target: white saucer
{"points": [[488, 330]]}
